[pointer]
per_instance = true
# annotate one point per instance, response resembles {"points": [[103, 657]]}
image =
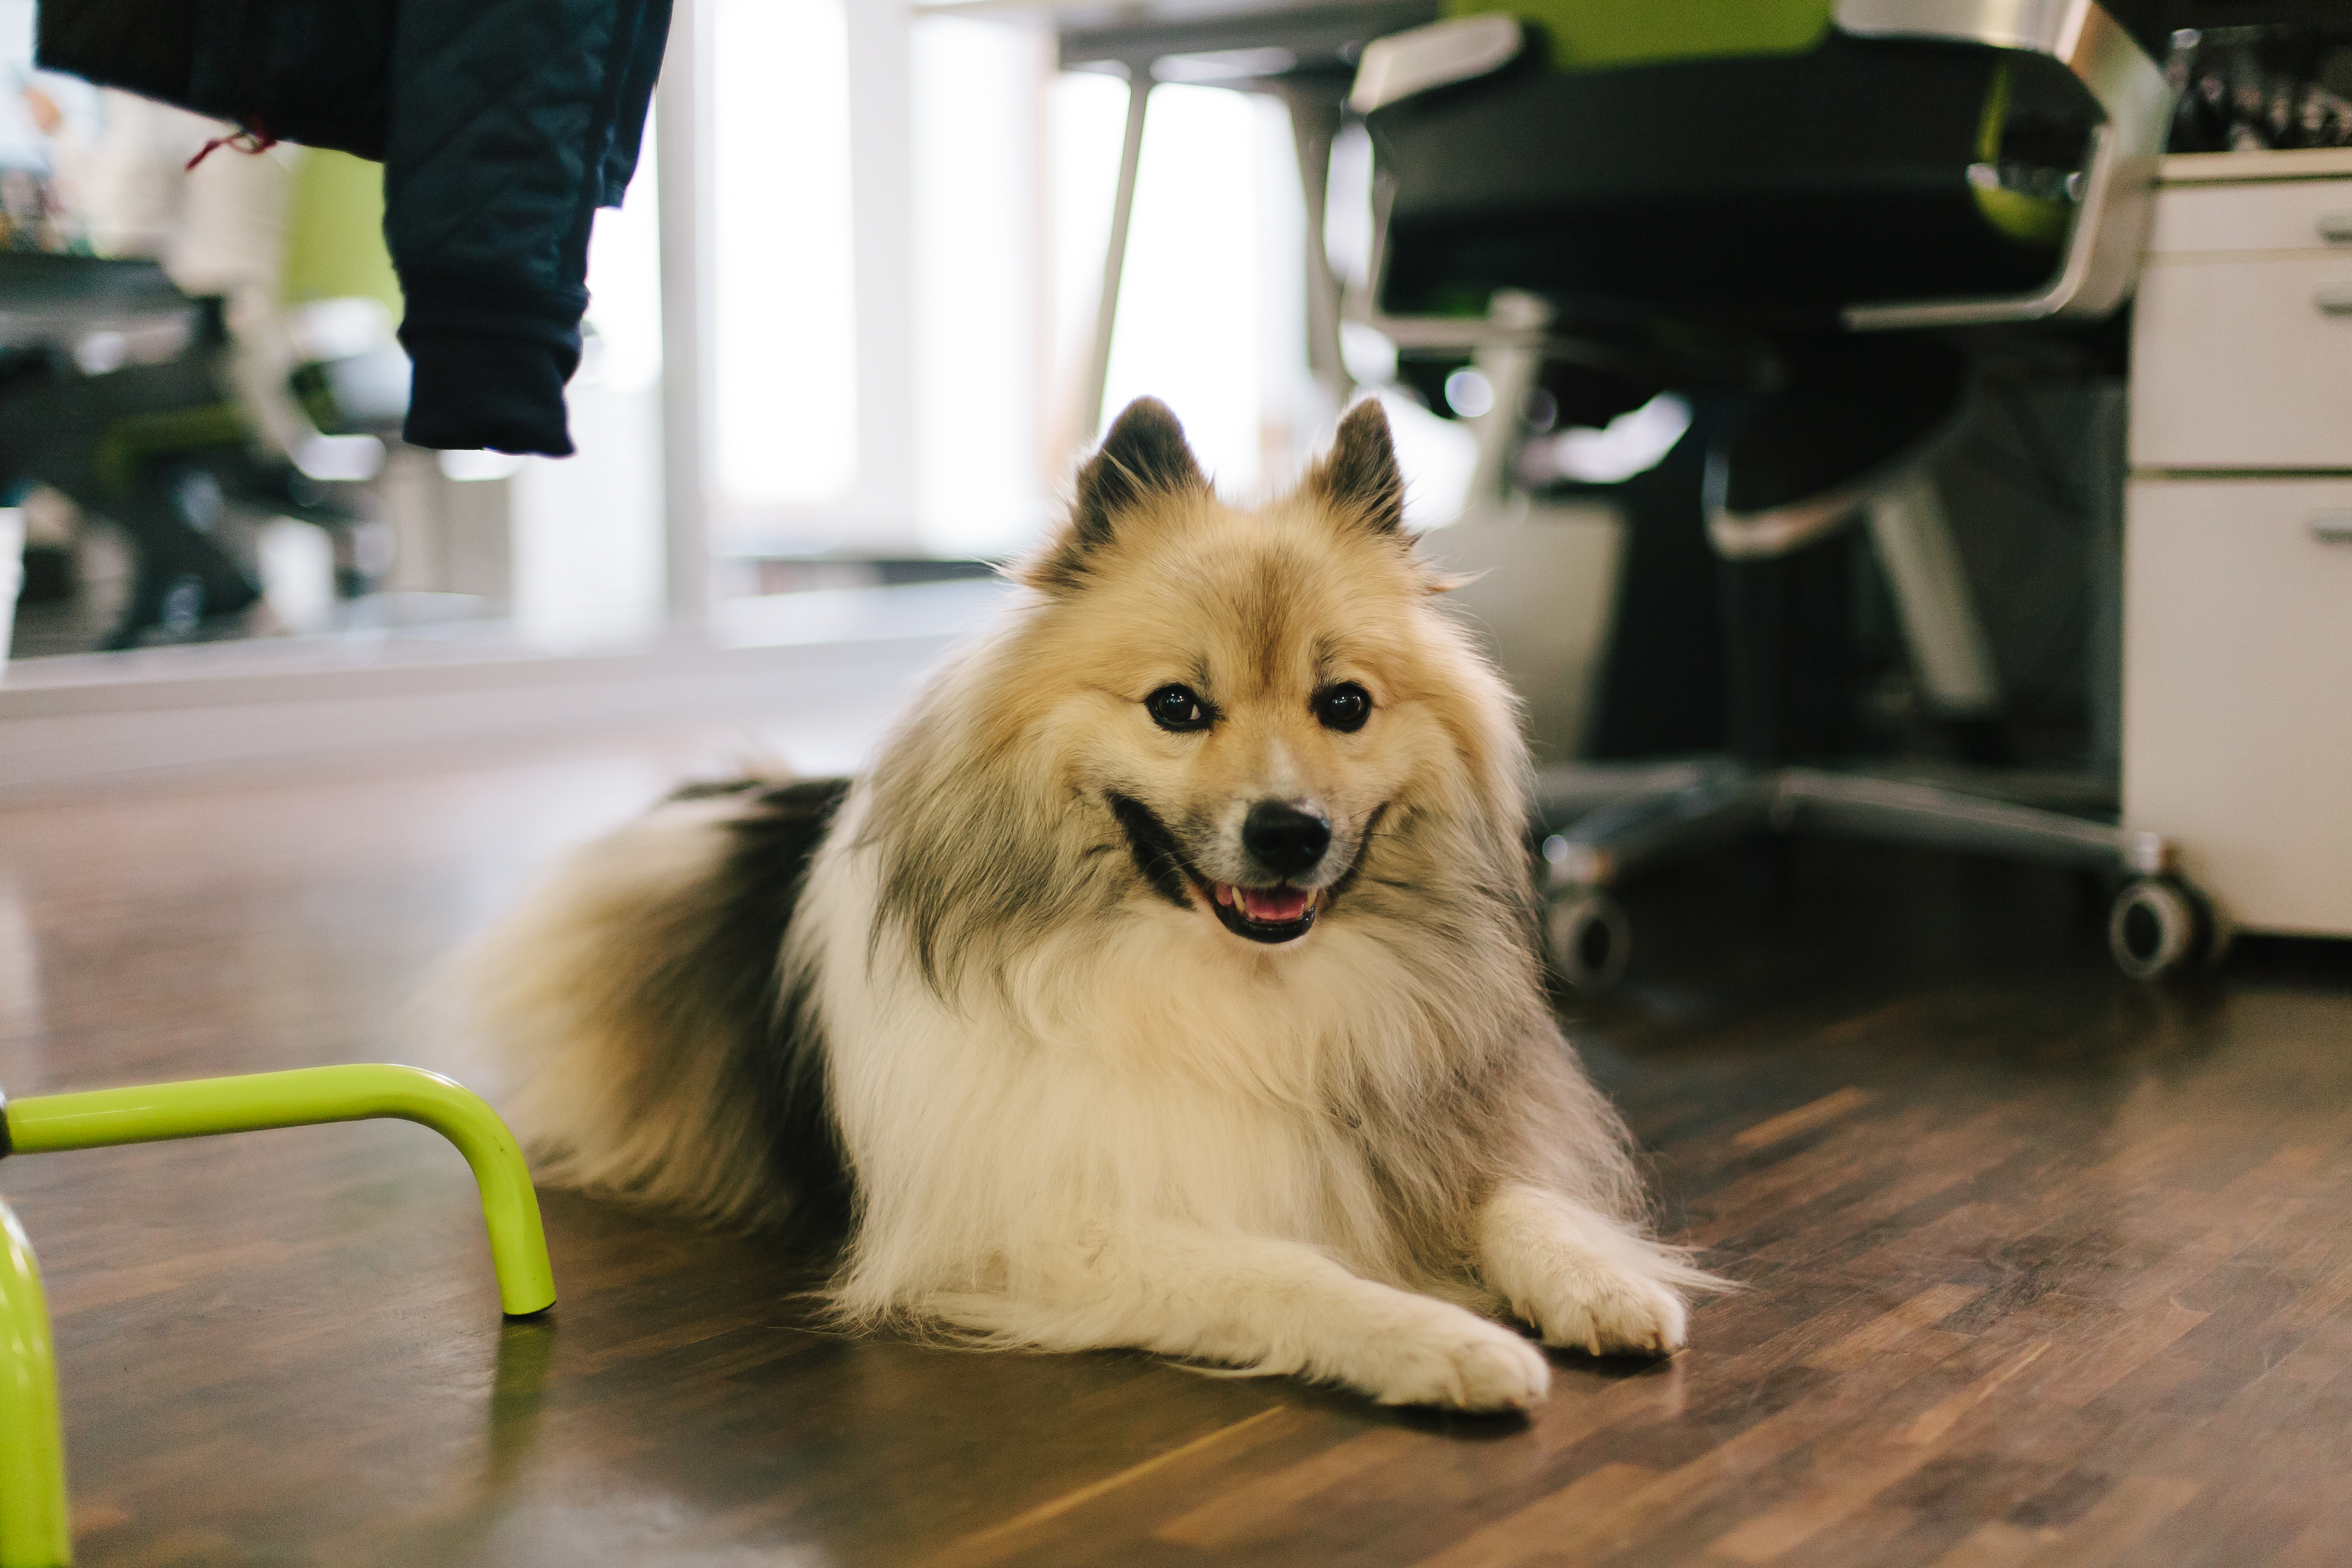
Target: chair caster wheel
{"points": [[1592, 940], [2160, 926]]}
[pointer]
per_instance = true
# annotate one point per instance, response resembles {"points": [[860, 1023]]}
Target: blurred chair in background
{"points": [[241, 385], [1788, 205]]}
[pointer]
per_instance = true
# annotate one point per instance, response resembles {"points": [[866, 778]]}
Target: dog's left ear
{"points": [[1359, 478]]}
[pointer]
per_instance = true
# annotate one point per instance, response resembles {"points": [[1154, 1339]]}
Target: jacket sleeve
{"points": [[512, 121], [288, 69]]}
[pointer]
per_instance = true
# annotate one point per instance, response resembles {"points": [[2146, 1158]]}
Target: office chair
{"points": [[144, 431], [132, 399], [1789, 196], [165, 444]]}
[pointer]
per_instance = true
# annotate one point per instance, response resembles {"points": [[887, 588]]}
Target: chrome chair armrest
{"points": [[1438, 55], [2110, 230]]}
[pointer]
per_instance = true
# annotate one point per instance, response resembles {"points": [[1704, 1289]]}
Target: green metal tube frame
{"points": [[35, 1527], [203, 1106], [36, 1530]]}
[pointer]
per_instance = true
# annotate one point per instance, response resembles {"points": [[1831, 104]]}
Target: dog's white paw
{"points": [[1586, 1281], [1605, 1309], [1461, 1361]]}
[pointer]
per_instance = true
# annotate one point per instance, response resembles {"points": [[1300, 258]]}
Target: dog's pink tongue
{"points": [[1273, 906]]}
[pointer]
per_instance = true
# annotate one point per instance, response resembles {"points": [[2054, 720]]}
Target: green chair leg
{"points": [[35, 1531], [200, 1108]]}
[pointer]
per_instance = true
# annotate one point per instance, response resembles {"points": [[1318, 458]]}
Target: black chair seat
{"points": [[1774, 190]]}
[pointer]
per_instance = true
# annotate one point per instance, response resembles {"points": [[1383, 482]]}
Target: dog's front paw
{"points": [[1605, 1309], [1461, 1361], [1586, 1281]]}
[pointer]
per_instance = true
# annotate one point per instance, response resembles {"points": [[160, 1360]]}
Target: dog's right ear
{"points": [[1143, 456]]}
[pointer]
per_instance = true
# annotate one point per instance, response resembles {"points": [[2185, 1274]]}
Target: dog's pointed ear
{"points": [[1359, 478], [1143, 456]]}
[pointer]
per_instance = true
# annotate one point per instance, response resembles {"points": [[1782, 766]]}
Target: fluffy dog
{"points": [[1170, 982]]}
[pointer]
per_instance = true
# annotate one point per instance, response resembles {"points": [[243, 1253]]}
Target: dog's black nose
{"points": [[1284, 840]]}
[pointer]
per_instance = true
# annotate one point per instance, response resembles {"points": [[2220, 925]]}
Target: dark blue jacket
{"points": [[502, 126]]}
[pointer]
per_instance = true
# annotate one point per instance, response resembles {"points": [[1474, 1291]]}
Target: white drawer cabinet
{"points": [[2238, 691], [2237, 704], [2280, 214], [2244, 364]]}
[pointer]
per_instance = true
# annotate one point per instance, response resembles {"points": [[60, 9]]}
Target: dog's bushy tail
{"points": [[652, 1048]]}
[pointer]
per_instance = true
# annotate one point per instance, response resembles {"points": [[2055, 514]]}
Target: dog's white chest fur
{"points": [[1118, 1077]]}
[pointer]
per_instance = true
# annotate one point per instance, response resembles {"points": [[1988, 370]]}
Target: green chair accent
{"points": [[335, 233], [1591, 35], [34, 1523], [34, 1529]]}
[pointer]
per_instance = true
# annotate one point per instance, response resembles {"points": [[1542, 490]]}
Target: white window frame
{"points": [[878, 515]]}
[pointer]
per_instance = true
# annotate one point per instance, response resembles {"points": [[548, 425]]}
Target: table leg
{"points": [[1317, 111], [1131, 154]]}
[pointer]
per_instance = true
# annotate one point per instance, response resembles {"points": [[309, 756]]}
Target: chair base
{"points": [[1622, 822]]}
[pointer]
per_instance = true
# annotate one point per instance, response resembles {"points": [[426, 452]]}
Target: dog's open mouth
{"points": [[1265, 914], [1272, 915]]}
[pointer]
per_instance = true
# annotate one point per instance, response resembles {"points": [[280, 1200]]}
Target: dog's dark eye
{"points": [[1343, 706], [1178, 708]]}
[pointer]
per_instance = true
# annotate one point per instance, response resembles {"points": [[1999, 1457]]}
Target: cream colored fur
{"points": [[619, 1087]]}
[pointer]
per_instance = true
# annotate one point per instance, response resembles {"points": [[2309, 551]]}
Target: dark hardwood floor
{"points": [[2041, 1267]]}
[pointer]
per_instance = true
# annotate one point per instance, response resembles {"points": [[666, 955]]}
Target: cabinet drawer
{"points": [[2282, 214], [2238, 691], [2244, 364]]}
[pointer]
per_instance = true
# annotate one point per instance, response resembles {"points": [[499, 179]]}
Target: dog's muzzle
{"points": [[1286, 842], [1282, 841]]}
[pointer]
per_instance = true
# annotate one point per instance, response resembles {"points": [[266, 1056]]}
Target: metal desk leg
{"points": [[1130, 155], [1317, 112]]}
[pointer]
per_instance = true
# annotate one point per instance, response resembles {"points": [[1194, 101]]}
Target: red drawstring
{"points": [[250, 142]]}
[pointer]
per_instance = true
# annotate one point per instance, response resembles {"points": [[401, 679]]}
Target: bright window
{"points": [[784, 379], [982, 469]]}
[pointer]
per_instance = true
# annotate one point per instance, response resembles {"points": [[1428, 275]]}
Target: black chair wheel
{"points": [[2160, 926], [1592, 940]]}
